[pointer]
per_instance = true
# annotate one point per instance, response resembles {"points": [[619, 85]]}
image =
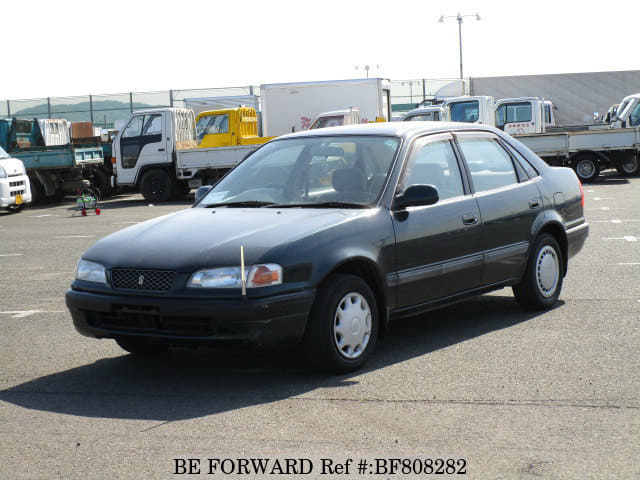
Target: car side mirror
{"points": [[202, 191], [415, 196]]}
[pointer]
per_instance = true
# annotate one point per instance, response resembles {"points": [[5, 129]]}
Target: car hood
{"points": [[205, 237], [12, 166]]}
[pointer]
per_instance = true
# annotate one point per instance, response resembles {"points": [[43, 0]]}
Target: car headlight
{"points": [[262, 275], [90, 272], [3, 174]]}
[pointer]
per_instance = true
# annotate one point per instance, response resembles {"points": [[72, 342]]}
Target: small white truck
{"points": [[15, 190], [157, 152], [289, 107], [427, 113]]}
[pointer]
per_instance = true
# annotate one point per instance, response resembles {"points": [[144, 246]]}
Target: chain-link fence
{"points": [[107, 110]]}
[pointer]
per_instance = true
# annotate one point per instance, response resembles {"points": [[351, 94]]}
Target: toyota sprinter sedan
{"points": [[324, 237]]}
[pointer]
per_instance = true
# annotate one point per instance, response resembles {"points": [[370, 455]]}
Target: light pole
{"points": [[459, 19]]}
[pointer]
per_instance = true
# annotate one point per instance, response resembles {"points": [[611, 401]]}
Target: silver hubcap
{"points": [[352, 325], [586, 169], [547, 271]]}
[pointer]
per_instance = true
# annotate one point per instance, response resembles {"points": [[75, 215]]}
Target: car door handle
{"points": [[534, 203], [469, 219], [161, 149]]}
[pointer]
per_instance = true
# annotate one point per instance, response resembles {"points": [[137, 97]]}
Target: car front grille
{"points": [[16, 184], [16, 192], [148, 319], [136, 279]]}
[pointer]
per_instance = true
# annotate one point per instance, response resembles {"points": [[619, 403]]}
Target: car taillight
{"points": [[581, 192], [113, 160]]}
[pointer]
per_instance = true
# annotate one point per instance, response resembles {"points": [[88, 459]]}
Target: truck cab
{"points": [[433, 113], [470, 109], [524, 115], [628, 112], [336, 118], [228, 127], [149, 140]]}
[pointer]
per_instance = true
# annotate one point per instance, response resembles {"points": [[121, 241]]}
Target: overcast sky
{"points": [[69, 47]]}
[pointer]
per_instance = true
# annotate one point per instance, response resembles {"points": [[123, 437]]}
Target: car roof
{"points": [[397, 129]]}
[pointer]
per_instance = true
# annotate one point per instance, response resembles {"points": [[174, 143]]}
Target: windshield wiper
{"points": [[319, 205], [246, 203]]}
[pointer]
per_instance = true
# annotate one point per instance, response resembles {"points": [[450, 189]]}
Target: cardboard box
{"points": [[81, 129]]}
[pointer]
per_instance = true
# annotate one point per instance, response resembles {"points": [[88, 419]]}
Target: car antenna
{"points": [[242, 275]]}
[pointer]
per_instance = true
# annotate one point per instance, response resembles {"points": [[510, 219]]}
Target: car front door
{"points": [[439, 246], [509, 202]]}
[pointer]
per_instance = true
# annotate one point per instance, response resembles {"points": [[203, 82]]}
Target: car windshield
{"points": [[3, 154], [326, 171]]}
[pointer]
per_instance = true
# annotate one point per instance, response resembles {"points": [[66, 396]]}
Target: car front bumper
{"points": [[271, 320], [14, 188]]}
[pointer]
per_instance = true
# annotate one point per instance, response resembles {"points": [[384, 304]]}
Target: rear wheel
{"points": [[629, 165], [37, 191], [156, 186], [542, 281], [103, 182], [587, 167], [343, 325], [140, 346]]}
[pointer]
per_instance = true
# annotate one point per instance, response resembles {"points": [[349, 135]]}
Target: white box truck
{"points": [[291, 107]]}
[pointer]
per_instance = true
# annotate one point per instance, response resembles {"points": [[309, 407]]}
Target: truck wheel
{"points": [[37, 191], [540, 286], [343, 325], [629, 165], [141, 346], [156, 186], [103, 182], [587, 168]]}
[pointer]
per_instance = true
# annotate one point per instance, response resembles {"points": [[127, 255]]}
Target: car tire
{"points": [[141, 346], [587, 168], [343, 325], [541, 284], [156, 186]]}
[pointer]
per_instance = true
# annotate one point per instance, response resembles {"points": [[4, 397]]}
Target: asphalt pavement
{"points": [[514, 394]]}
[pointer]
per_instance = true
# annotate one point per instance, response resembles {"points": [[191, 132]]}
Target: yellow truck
{"points": [[229, 127]]}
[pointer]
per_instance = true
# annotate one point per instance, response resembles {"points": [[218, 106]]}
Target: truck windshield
{"points": [[327, 171], [324, 122], [212, 124], [467, 112]]}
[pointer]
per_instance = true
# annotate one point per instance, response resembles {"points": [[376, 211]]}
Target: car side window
{"points": [[434, 163], [489, 164], [523, 162]]}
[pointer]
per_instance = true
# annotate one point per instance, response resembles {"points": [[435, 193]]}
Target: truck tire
{"points": [[37, 191], [103, 182], [628, 166], [587, 167], [156, 186], [180, 189]]}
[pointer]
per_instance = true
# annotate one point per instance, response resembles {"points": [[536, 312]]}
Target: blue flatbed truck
{"points": [[53, 170]]}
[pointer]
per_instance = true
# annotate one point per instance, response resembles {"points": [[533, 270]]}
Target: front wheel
{"points": [[156, 186], [587, 168], [540, 286], [343, 325]]}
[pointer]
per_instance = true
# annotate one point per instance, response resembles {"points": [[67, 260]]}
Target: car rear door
{"points": [[439, 246], [509, 202]]}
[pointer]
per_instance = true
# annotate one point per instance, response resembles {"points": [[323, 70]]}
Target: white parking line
{"points": [[600, 198], [11, 254], [75, 236], [45, 215], [615, 220], [26, 313], [630, 263], [627, 238], [124, 223]]}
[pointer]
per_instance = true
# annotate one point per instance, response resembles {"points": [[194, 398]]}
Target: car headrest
{"points": [[348, 180]]}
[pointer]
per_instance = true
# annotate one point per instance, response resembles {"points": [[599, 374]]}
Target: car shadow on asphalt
{"points": [[195, 383]]}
